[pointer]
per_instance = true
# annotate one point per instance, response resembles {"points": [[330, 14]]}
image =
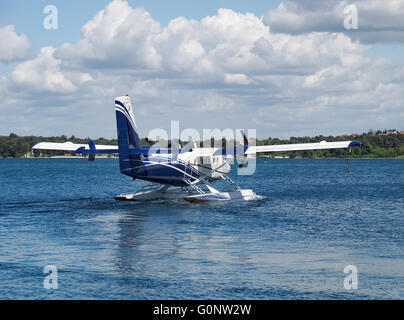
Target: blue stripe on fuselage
{"points": [[166, 173]]}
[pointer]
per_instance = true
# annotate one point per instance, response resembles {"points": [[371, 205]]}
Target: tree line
{"points": [[373, 145]]}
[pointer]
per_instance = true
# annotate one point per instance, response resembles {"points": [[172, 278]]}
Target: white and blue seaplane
{"points": [[178, 173]]}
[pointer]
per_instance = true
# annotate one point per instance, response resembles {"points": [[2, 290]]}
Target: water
{"points": [[316, 218]]}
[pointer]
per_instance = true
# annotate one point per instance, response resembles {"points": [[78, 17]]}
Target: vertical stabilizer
{"points": [[128, 137]]}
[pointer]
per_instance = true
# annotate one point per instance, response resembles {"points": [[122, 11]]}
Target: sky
{"points": [[282, 67]]}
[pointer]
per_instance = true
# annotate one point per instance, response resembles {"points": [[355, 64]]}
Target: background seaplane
{"points": [[175, 172]]}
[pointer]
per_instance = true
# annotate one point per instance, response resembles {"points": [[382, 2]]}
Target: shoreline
{"points": [[266, 158], [59, 157]]}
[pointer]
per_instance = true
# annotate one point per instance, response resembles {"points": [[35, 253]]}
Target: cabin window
{"points": [[204, 160]]}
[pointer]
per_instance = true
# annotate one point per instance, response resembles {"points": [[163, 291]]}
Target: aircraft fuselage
{"points": [[183, 169]]}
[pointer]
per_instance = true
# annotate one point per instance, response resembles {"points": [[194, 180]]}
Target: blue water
{"points": [[316, 218]]}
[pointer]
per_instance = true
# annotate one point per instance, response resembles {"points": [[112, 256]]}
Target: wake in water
{"points": [[257, 197]]}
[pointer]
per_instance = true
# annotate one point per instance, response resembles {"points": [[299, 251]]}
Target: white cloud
{"points": [[14, 47], [117, 37], [378, 21], [122, 38], [231, 69], [43, 74]]}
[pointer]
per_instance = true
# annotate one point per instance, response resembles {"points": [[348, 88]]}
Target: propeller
{"points": [[91, 155], [241, 157], [238, 151]]}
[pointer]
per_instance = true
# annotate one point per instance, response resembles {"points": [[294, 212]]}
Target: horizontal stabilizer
{"points": [[83, 150]]}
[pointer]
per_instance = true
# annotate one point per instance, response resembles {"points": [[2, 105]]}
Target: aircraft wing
{"points": [[74, 147], [91, 149], [302, 146]]}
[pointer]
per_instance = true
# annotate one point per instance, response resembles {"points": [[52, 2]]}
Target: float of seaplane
{"points": [[178, 173]]}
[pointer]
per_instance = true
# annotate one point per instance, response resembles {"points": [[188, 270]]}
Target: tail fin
{"points": [[128, 138]]}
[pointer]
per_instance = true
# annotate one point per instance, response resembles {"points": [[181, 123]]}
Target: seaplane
{"points": [[178, 172]]}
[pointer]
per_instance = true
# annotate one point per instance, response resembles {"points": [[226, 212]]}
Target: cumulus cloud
{"points": [[379, 21], [122, 37], [118, 36], [43, 74], [233, 69], [226, 47], [14, 47]]}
